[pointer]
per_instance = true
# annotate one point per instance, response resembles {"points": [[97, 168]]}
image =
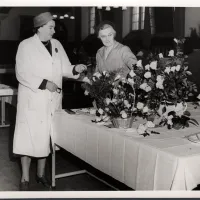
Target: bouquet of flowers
{"points": [[113, 94], [161, 82]]}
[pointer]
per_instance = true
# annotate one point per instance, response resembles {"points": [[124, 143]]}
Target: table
{"points": [[167, 161], [7, 94]]}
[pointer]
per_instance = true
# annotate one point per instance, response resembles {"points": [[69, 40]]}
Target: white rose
{"points": [[124, 115], [126, 102], [141, 129], [114, 100], [167, 70], [153, 65], [178, 67], [159, 85], [160, 55], [86, 93], [140, 105], [115, 91], [147, 75], [145, 109], [159, 78], [117, 77], [130, 80], [106, 109], [108, 101], [86, 80], [139, 63], [97, 74], [171, 53], [170, 122], [147, 67], [100, 111], [143, 86], [132, 73], [148, 88], [173, 69]]}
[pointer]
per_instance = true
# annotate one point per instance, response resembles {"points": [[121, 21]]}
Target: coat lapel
{"points": [[41, 47]]}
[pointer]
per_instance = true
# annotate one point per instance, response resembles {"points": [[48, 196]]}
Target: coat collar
{"points": [[42, 48], [102, 50]]}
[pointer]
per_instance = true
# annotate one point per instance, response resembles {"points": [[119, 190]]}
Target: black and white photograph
{"points": [[99, 98]]}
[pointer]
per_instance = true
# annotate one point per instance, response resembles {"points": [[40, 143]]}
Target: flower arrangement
{"points": [[114, 95], [162, 82]]}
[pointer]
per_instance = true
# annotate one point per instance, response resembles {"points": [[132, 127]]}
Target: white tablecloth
{"points": [[166, 161], [9, 93]]}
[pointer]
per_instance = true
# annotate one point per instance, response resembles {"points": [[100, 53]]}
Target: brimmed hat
{"points": [[101, 25], [42, 19]]}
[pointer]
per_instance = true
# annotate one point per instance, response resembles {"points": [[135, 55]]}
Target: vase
{"points": [[122, 123], [179, 108]]}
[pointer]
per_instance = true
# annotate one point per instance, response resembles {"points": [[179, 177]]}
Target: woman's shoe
{"points": [[44, 181], [24, 186]]}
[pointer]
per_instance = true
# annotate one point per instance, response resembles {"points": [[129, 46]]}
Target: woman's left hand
{"points": [[80, 68]]}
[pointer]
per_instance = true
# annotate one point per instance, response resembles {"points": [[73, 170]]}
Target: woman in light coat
{"points": [[41, 62], [113, 56]]}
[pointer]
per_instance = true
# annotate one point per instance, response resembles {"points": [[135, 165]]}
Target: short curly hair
{"points": [[103, 25]]}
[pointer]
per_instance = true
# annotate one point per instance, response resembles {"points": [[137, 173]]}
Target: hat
{"points": [[42, 19]]}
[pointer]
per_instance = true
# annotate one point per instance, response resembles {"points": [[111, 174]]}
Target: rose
{"points": [[171, 53], [173, 69], [123, 114], [147, 75], [86, 93], [167, 70], [143, 86], [131, 81], [86, 80], [153, 65], [159, 85], [148, 88], [108, 101], [114, 100], [145, 109], [115, 91], [140, 105], [150, 124], [100, 111], [147, 67], [139, 63], [117, 77], [160, 55], [178, 67], [159, 78], [132, 73], [97, 74]]}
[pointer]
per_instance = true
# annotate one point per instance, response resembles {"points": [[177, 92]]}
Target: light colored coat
{"points": [[119, 58], [35, 107]]}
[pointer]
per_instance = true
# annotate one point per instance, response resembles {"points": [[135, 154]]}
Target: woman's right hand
{"points": [[52, 87]]}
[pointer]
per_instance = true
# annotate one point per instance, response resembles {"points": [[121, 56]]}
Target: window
{"points": [[138, 18], [92, 20]]}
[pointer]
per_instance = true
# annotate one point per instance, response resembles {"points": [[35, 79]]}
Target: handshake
{"points": [[52, 87]]}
